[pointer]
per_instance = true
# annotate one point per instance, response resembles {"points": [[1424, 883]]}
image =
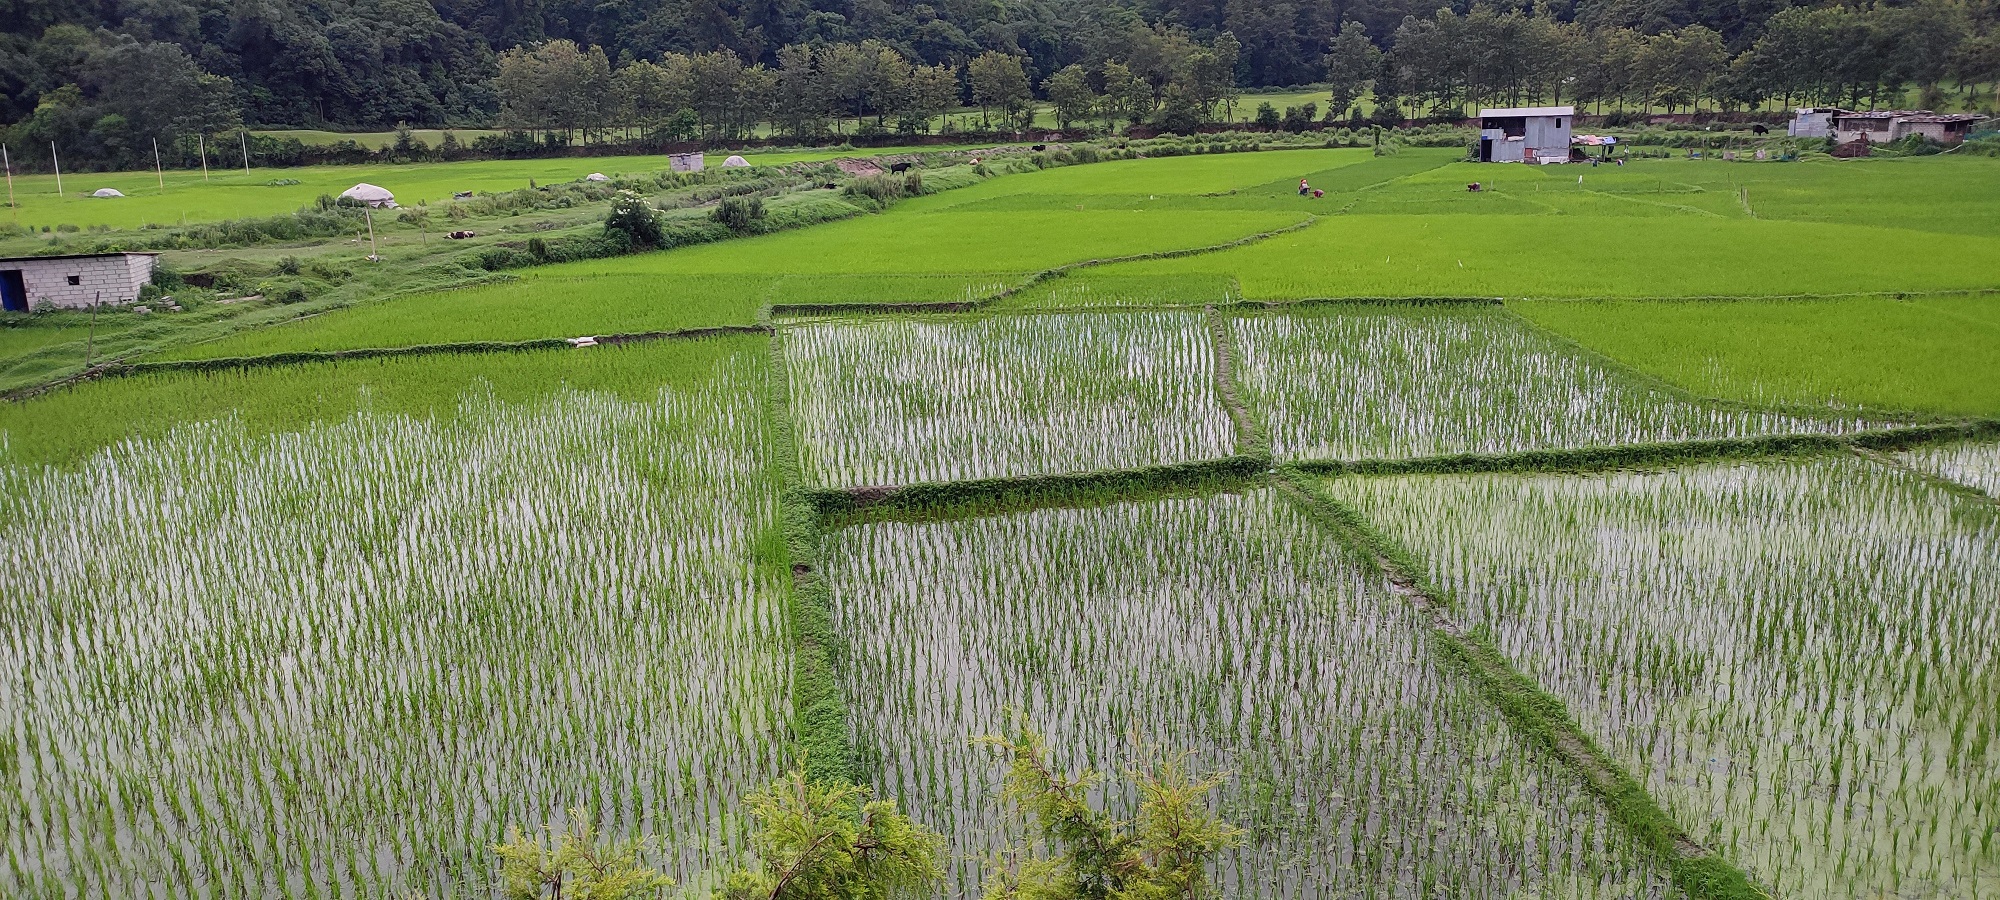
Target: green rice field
{"points": [[1635, 538]]}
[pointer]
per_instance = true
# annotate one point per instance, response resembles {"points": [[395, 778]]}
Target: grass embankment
{"points": [[65, 425], [936, 248], [1934, 355], [229, 193]]}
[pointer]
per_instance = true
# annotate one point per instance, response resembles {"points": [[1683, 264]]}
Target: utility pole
{"points": [[90, 342], [373, 254], [245, 135], [8, 163], [157, 170], [58, 161], [203, 141]]}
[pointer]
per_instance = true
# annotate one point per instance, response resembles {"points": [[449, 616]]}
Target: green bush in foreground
{"points": [[828, 840]]}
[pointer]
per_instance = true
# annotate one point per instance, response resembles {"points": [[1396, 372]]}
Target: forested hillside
{"points": [[105, 79]]}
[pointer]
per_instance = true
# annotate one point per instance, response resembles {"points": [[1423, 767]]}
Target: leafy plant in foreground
{"points": [[828, 841], [574, 863], [1161, 854]]}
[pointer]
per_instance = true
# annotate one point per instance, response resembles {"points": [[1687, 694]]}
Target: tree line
{"points": [[105, 92]]}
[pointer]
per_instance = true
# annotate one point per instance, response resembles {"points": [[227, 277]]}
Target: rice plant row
{"points": [[1362, 383], [338, 662], [1975, 464], [1800, 658], [899, 401], [1227, 626]]}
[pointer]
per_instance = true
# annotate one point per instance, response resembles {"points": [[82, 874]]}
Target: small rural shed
{"points": [[685, 162], [1812, 121], [736, 162], [371, 195], [1530, 134], [75, 281], [1896, 124]]}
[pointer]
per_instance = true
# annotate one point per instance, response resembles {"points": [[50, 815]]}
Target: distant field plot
{"points": [[66, 426], [1372, 382], [1177, 176], [1226, 627], [1975, 464], [1798, 657], [1935, 355], [908, 241], [1515, 255], [341, 660], [900, 401], [531, 308], [1086, 289], [849, 290]]}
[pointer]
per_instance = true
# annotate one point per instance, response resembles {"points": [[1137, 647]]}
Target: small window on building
{"points": [[1559, 123], [76, 279]]}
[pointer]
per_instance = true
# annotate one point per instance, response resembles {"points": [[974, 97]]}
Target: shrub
{"points": [[739, 214], [636, 219], [1267, 116]]}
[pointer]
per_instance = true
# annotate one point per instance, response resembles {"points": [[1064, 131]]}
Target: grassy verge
{"points": [[1535, 713], [819, 708], [934, 501]]}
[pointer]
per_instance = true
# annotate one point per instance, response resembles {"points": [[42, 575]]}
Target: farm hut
{"points": [[73, 282], [685, 162], [1529, 134], [736, 162], [1896, 124], [596, 176], [370, 195], [1812, 121], [107, 193]]}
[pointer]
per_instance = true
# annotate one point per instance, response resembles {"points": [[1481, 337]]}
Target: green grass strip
{"points": [[1656, 455], [1251, 438], [819, 710], [944, 501], [1538, 715]]}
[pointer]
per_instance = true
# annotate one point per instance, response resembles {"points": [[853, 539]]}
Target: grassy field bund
{"points": [[1608, 533]]}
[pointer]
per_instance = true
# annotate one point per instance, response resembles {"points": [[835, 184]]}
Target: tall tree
{"points": [[1351, 63], [1000, 83], [1070, 93]]}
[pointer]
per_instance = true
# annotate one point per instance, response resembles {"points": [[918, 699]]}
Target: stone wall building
{"points": [[73, 282]]}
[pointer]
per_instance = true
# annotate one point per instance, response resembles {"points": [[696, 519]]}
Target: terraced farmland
{"points": [[1624, 591]]}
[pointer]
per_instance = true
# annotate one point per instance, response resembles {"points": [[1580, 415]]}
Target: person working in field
{"points": [[1304, 188]]}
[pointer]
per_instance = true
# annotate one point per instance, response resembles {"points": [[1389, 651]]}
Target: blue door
{"points": [[13, 291]]}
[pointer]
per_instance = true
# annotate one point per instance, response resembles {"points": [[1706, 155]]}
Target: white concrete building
{"points": [[32, 282], [1529, 134]]}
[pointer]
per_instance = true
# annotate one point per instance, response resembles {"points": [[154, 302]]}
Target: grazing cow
{"points": [[460, 235], [899, 167], [1040, 147], [1759, 129]]}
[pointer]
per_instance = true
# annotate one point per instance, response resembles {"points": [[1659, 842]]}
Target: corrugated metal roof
{"points": [[1527, 111]]}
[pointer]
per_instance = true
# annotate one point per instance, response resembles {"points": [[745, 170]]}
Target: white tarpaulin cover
{"points": [[378, 197], [106, 192], [596, 176], [736, 162]]}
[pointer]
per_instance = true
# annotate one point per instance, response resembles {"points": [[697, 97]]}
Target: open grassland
{"points": [[230, 193], [1374, 382], [340, 659], [1799, 657], [1227, 627], [1935, 355], [1974, 464], [897, 402]]}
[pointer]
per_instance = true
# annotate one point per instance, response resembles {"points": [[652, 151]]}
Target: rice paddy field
{"points": [[1636, 537]]}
